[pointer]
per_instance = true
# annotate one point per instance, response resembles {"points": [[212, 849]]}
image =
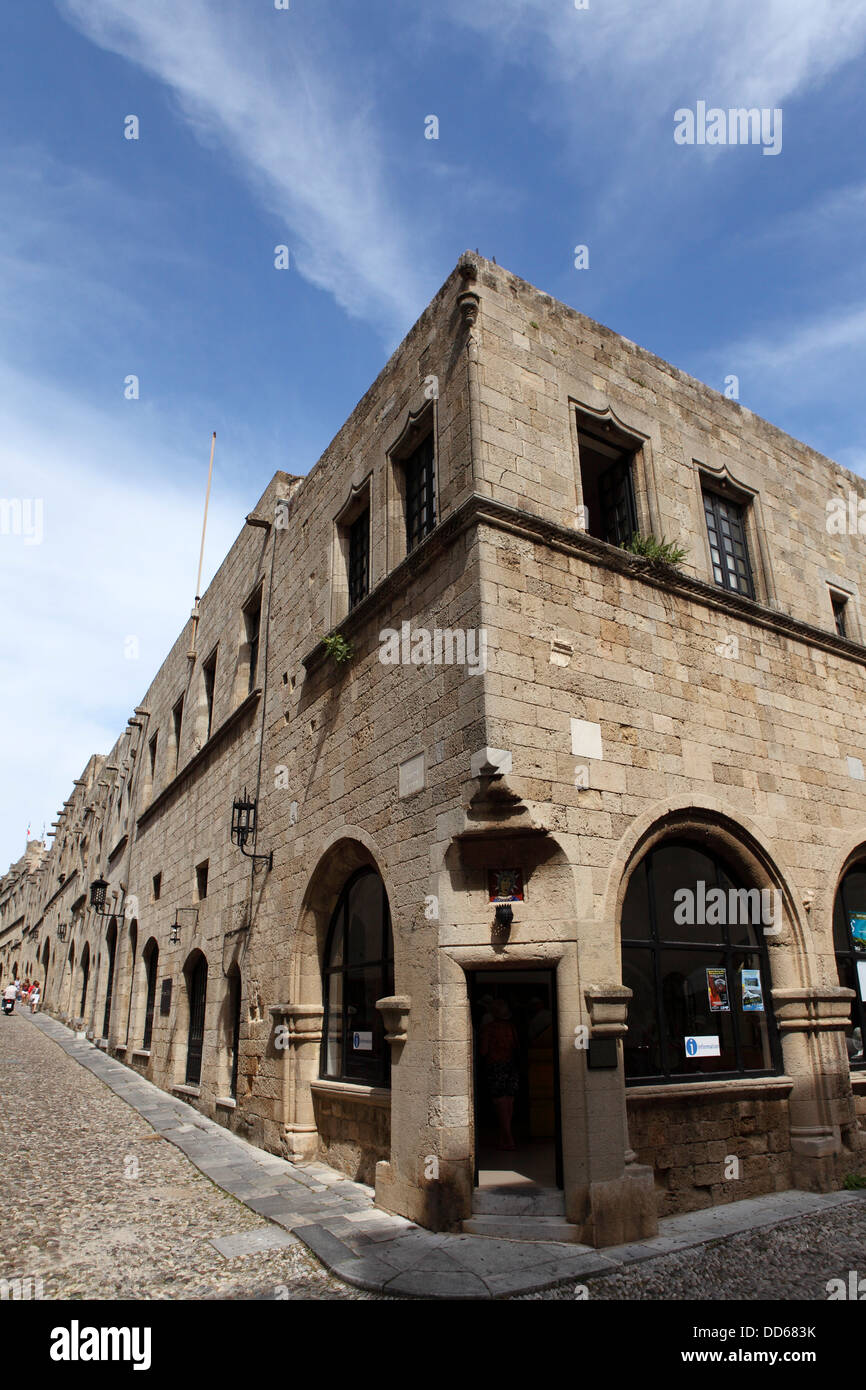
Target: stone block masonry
{"points": [[635, 728]]}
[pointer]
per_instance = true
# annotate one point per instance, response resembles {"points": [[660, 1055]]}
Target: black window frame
{"points": [[253, 624], [839, 603], [725, 520], [852, 956], [177, 726], [376, 1071], [656, 945], [419, 472], [209, 675], [358, 559]]}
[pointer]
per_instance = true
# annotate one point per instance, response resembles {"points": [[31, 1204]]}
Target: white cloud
{"points": [[118, 559], [298, 131], [736, 52]]}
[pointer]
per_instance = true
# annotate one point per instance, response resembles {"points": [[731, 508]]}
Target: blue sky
{"points": [[306, 127]]}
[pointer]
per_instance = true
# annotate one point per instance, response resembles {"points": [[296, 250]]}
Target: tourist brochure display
{"points": [[857, 922], [717, 989], [753, 993]]}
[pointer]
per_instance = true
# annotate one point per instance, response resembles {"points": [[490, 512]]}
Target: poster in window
{"points": [[753, 992], [857, 923], [861, 978], [506, 885], [717, 989]]}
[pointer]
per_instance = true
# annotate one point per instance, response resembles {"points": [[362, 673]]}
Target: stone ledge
{"points": [[141, 1054], [187, 1092], [225, 1103], [763, 1087], [347, 1090]]}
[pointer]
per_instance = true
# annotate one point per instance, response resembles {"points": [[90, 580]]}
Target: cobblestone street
{"points": [[97, 1205]]}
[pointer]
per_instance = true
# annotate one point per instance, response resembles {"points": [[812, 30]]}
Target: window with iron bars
{"points": [[359, 558], [420, 493]]}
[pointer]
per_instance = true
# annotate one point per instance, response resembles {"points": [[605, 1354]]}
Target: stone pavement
{"points": [[386, 1254]]}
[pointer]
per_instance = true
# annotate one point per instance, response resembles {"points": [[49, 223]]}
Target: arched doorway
{"points": [[84, 969], [150, 958], [109, 986], [195, 974]]}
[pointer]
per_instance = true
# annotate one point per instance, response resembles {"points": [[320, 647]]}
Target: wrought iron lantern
{"points": [[245, 826], [61, 931], [175, 928], [98, 890]]}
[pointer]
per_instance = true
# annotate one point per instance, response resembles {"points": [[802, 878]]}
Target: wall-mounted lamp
{"points": [[174, 929], [61, 931], [98, 889], [244, 826]]}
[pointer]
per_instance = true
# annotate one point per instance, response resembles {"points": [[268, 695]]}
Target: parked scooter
{"points": [[8, 1005], [9, 995]]}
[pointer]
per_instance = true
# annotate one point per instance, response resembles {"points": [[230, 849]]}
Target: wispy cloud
{"points": [[297, 131], [737, 51]]}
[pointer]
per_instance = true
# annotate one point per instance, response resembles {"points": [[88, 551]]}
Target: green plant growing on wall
{"points": [[338, 649], [662, 552], [854, 1180]]}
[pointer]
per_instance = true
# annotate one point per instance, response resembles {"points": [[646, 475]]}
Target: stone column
{"points": [[812, 1022], [301, 1047], [621, 1191]]}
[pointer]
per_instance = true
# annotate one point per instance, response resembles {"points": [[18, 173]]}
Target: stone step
{"points": [[502, 1201], [521, 1228]]}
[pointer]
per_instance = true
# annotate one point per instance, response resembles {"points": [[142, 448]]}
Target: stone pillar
{"points": [[301, 1049], [621, 1191], [812, 1022]]}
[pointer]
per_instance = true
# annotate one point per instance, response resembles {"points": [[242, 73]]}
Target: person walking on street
{"points": [[34, 996]]}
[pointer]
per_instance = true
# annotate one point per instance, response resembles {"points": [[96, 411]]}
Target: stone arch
{"points": [[346, 851], [192, 1015], [146, 968], [82, 983], [794, 958]]}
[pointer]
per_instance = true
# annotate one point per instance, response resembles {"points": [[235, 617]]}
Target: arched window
{"points": [[358, 970], [849, 937], [694, 955], [151, 965], [109, 988], [196, 983], [85, 976]]}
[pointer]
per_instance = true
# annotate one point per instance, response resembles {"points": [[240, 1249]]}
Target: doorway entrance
{"points": [[516, 1078]]}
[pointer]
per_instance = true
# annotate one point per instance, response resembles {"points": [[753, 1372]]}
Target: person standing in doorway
{"points": [[499, 1046]]}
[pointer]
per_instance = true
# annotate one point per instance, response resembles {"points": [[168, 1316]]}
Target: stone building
{"points": [[558, 845]]}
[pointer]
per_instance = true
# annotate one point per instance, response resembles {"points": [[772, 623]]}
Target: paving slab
{"points": [[252, 1242]]}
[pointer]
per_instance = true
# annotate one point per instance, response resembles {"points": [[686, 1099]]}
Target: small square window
{"points": [[201, 879], [157, 887], [840, 614]]}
